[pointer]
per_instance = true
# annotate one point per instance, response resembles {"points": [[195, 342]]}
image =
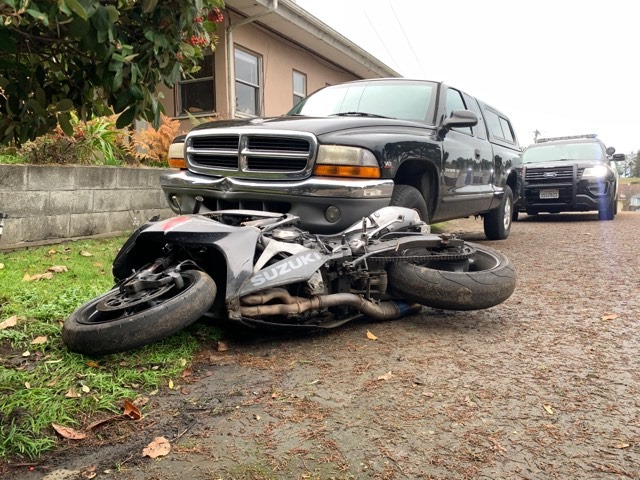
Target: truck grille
{"points": [[552, 175], [265, 154]]}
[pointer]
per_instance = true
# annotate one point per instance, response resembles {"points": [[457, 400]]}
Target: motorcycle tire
{"points": [[490, 280], [93, 332]]}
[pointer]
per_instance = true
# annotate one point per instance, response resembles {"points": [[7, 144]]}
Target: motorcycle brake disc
{"points": [[122, 300]]}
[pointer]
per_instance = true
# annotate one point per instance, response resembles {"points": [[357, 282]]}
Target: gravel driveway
{"points": [[546, 385]]}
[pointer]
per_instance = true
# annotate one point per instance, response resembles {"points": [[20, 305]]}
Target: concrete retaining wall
{"points": [[49, 204]]}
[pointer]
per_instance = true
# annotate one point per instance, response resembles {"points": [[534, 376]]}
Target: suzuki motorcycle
{"points": [[259, 269]]}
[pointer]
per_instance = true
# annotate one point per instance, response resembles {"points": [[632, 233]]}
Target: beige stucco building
{"points": [[270, 54]]}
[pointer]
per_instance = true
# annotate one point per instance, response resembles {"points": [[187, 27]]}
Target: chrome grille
{"points": [[251, 154]]}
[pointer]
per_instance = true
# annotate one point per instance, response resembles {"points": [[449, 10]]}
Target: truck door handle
{"points": [[477, 152]]}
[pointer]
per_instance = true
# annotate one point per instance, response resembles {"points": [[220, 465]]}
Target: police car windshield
{"points": [[563, 152]]}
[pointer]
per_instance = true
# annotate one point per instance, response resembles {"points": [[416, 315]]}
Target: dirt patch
{"points": [[546, 385]]}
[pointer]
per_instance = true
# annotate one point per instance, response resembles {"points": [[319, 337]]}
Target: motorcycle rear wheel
{"points": [[490, 280], [92, 331]]}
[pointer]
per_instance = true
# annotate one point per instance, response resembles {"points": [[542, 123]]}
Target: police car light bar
{"points": [[570, 137]]}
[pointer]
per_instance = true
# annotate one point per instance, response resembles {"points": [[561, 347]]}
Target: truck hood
{"points": [[316, 125], [564, 163]]}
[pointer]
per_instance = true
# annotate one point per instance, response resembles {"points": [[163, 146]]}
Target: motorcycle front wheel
{"points": [[484, 280], [115, 322]]}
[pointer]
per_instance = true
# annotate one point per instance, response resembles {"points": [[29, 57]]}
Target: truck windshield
{"points": [[402, 100], [564, 152]]}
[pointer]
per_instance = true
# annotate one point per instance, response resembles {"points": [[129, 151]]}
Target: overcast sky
{"points": [[563, 67]]}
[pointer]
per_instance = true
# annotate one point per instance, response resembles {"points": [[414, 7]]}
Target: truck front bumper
{"points": [[314, 199]]}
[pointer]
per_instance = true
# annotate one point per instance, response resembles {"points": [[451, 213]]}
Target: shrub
{"points": [[151, 146]]}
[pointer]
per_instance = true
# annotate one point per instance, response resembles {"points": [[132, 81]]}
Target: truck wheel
{"points": [[488, 279], [608, 212], [409, 197], [497, 223]]}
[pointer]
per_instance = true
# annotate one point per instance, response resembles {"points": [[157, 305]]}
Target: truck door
{"points": [[467, 161]]}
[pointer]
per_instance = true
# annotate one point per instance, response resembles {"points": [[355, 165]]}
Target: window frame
{"points": [[179, 110], [300, 95], [259, 87]]}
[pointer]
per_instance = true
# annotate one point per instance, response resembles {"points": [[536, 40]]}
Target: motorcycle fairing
{"points": [[295, 268], [235, 243]]}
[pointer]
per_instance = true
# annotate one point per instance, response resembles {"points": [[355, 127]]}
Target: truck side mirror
{"points": [[619, 157], [460, 119]]}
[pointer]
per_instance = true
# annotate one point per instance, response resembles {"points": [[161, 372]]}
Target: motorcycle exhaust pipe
{"points": [[295, 305]]}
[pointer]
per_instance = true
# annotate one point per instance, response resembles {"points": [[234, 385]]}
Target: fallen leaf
{"points": [[222, 347], [158, 448], [57, 269], [89, 472], [131, 411], [170, 384], [97, 423], [27, 385], [371, 336], [53, 382], [36, 277], [548, 409], [39, 340], [26, 353], [85, 389], [84, 253], [386, 376], [186, 373], [92, 364], [52, 252], [9, 322], [69, 433], [72, 393], [621, 445], [610, 316], [98, 264]]}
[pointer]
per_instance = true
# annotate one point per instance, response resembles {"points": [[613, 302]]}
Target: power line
{"points": [[407, 40], [397, 65]]}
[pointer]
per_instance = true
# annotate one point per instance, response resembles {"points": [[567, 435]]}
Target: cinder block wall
{"points": [[49, 204]]}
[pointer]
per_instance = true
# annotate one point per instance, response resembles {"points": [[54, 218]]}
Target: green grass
{"points": [[629, 181], [11, 159], [36, 378]]}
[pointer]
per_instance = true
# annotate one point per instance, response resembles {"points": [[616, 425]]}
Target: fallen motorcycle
{"points": [[260, 270]]}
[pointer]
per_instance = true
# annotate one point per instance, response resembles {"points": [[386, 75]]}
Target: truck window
{"points": [[499, 126], [480, 130], [455, 102]]}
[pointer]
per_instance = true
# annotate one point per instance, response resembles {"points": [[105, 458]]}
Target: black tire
{"points": [[497, 223], [409, 197], [93, 332], [490, 280], [609, 212]]}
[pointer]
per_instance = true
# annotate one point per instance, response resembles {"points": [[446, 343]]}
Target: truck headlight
{"points": [[343, 161], [599, 171]]}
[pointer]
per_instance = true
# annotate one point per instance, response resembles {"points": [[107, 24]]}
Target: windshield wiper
{"points": [[357, 114]]}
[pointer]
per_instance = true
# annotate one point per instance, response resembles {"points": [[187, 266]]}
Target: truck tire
{"points": [[409, 197], [91, 331], [497, 223], [490, 280], [609, 212]]}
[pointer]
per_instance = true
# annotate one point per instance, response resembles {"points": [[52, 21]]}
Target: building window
{"points": [[195, 93], [248, 83], [299, 87]]}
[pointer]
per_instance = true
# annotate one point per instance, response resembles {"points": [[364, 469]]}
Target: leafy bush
{"points": [[90, 57], [151, 146]]}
